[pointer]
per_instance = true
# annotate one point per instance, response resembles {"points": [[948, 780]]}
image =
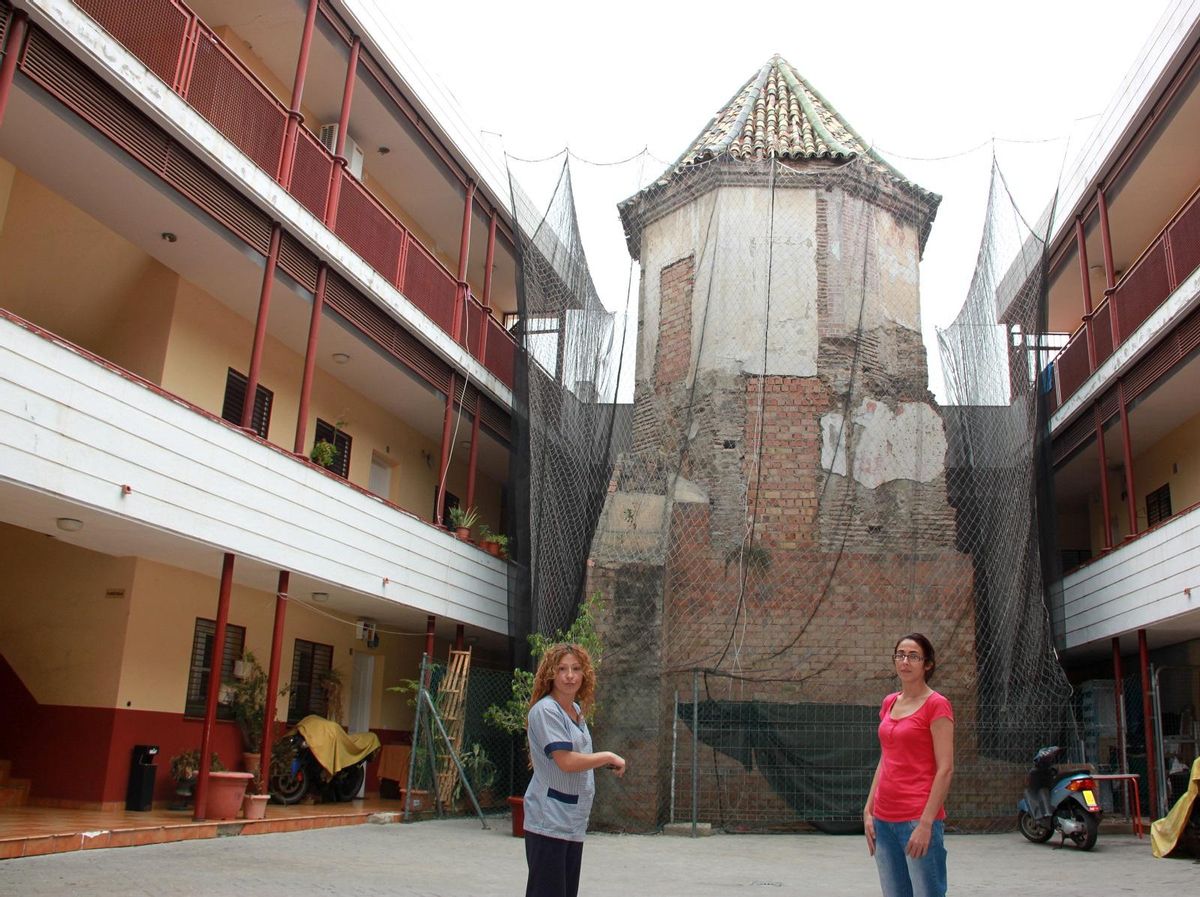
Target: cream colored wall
{"points": [[59, 629], [8, 173], [1173, 460]]}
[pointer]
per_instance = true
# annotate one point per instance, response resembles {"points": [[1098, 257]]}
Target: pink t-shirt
{"points": [[908, 765]]}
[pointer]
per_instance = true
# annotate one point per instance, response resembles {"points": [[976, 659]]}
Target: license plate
{"points": [[1089, 798]]}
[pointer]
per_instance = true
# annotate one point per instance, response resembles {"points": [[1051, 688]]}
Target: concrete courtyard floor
{"points": [[456, 858]]}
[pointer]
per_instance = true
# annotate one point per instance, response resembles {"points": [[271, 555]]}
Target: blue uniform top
{"points": [[557, 803]]}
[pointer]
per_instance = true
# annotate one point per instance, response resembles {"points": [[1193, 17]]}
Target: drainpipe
{"points": [[260, 326], [1110, 271], [473, 457], [310, 360], [214, 685], [17, 31], [430, 627], [339, 152], [1148, 724], [1086, 281], [268, 737], [288, 157]]}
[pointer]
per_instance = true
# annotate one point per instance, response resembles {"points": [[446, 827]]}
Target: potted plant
{"points": [[247, 699], [511, 716], [462, 519], [481, 774], [185, 769], [323, 453]]}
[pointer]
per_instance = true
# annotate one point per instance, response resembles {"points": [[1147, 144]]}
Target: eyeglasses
{"points": [[911, 657]]}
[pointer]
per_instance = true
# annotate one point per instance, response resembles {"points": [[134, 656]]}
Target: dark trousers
{"points": [[553, 866]]}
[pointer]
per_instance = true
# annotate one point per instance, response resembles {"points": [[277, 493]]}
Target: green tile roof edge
{"points": [[798, 87]]}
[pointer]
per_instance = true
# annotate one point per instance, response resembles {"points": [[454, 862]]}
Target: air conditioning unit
{"points": [[328, 136]]}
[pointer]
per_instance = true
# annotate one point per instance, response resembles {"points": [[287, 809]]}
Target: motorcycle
{"points": [[321, 758], [1059, 800]]}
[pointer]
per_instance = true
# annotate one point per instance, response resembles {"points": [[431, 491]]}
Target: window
{"points": [[235, 398], [327, 432], [202, 661], [449, 500], [310, 663], [1158, 505]]}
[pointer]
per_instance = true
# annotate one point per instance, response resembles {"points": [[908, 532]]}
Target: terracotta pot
{"points": [[254, 806], [252, 762], [493, 548], [463, 533], [518, 816], [225, 790]]}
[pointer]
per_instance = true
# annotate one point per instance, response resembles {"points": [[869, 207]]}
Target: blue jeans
{"points": [[901, 875]]}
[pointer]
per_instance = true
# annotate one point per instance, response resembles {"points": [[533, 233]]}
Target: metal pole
{"points": [[1119, 703], [1085, 280], [1160, 777], [416, 732], [1148, 722], [1103, 458], [260, 326], [695, 749], [294, 116], [674, 751], [214, 685], [1130, 497], [335, 176], [462, 773], [444, 456], [268, 736], [310, 359]]}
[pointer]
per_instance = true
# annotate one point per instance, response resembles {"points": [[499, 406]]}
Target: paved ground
{"points": [[455, 858]]}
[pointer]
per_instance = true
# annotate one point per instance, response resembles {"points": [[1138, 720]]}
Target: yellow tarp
{"points": [[1165, 832], [333, 746]]}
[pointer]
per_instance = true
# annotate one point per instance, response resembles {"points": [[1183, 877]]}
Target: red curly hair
{"points": [[543, 679]]}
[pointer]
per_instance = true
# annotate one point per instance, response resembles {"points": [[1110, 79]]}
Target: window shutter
{"points": [[235, 397]]}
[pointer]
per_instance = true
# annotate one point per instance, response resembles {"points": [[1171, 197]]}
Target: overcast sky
{"points": [[933, 85]]}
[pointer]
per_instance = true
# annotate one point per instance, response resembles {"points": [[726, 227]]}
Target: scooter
{"points": [[321, 758], [1059, 800]]}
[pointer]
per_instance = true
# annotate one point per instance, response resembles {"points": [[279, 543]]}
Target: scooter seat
{"points": [[1086, 769]]}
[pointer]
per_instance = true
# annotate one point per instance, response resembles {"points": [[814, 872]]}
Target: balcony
{"points": [[1148, 582], [190, 59], [1161, 268], [162, 479]]}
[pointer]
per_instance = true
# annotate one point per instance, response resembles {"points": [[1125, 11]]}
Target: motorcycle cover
{"points": [[333, 747], [1165, 832]]}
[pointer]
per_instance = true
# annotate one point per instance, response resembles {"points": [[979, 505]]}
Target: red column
{"points": [[1110, 274], [1119, 701], [1085, 279], [260, 326], [464, 255], [1103, 453], [268, 742], [17, 31], [473, 455], [1130, 497], [430, 628], [1148, 724], [444, 462], [335, 177], [214, 684], [310, 359], [459, 633], [487, 286], [288, 155]]}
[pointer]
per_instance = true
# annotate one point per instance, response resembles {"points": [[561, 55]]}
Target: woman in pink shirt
{"points": [[904, 813]]}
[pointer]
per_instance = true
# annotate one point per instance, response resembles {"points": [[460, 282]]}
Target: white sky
{"points": [[922, 80]]}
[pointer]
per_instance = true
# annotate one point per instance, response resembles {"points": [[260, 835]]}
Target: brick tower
{"points": [[781, 517]]}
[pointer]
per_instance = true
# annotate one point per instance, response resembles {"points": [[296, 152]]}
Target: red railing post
{"points": [[1103, 453], [444, 462], [214, 685], [1148, 724], [310, 359], [17, 31], [1130, 497], [268, 734], [288, 154], [1110, 274], [487, 288], [1086, 280], [260, 326], [339, 153], [464, 252]]}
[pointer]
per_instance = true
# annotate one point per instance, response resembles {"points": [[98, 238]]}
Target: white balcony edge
{"points": [[1172, 310], [74, 428], [1152, 579], [128, 74]]}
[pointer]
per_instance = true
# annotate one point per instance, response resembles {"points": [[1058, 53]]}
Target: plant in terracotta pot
{"points": [[185, 769], [247, 700], [481, 774], [511, 716], [462, 519]]}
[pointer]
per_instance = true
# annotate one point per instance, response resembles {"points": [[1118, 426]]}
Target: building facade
{"points": [[251, 352]]}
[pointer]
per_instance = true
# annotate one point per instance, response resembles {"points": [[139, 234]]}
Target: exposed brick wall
{"points": [[674, 351]]}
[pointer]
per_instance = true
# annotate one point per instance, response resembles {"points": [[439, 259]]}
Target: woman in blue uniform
{"points": [[559, 797]]}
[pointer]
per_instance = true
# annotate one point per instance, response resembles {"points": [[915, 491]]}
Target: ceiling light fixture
{"points": [[384, 150], [69, 524], [340, 357], [168, 236], [320, 597]]}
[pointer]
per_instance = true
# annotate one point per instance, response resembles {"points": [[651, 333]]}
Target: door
{"points": [[362, 682]]}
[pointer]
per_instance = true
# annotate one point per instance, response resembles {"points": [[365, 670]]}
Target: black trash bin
{"points": [[139, 795]]}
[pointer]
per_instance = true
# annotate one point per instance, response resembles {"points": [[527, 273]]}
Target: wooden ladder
{"points": [[452, 705]]}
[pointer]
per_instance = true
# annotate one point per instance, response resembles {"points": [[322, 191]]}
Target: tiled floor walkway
{"points": [[32, 831]]}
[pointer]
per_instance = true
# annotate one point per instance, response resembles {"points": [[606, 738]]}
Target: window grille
{"points": [[201, 664], [340, 440], [235, 398], [1158, 505], [310, 662]]}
